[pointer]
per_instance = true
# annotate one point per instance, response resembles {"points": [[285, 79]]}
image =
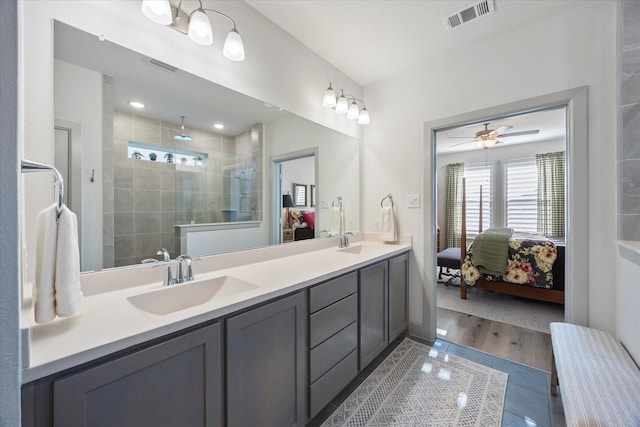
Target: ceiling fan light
{"points": [[353, 112], [233, 46], [329, 99], [158, 11], [363, 118], [342, 106], [486, 143], [200, 28]]}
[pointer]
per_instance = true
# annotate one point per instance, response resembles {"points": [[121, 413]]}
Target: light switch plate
{"points": [[413, 201], [324, 203]]}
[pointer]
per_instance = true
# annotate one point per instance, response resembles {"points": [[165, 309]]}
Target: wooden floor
{"points": [[526, 346]]}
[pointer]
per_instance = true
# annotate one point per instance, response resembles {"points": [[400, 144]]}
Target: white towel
{"points": [[46, 242], [68, 292], [336, 227], [57, 288], [388, 225]]}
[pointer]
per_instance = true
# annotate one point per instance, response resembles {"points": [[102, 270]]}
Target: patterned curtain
{"points": [[551, 193], [453, 204]]}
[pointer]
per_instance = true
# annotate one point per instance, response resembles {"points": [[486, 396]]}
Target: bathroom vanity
{"points": [[273, 354]]}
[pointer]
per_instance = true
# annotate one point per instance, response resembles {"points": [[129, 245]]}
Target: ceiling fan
{"points": [[489, 137]]}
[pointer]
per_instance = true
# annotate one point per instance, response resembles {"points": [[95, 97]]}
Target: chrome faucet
{"points": [[344, 239], [189, 274], [168, 279]]}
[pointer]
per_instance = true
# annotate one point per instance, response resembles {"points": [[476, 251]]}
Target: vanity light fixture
{"points": [[136, 104], [346, 104], [195, 24]]}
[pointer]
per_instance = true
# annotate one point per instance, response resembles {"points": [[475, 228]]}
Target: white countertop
{"points": [[108, 322]]}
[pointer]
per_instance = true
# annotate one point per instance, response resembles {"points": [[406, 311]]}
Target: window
{"points": [[477, 176], [521, 191]]}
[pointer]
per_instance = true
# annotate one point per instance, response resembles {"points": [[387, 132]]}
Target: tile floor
{"points": [[528, 402]]}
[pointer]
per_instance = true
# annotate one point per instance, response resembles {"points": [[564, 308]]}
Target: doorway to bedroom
{"points": [[505, 172], [296, 198]]}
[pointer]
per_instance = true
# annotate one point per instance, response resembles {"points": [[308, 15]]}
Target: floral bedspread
{"points": [[531, 258]]}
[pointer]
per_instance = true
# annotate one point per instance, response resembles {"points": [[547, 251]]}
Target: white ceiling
{"points": [[373, 40]]}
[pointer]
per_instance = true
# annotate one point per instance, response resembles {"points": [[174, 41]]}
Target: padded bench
{"points": [[599, 381], [449, 259]]}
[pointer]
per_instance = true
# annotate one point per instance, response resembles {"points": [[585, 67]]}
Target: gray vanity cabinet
{"points": [[333, 339], [174, 383], [374, 303], [398, 281], [266, 365]]}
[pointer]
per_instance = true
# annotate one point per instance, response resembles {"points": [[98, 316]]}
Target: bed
{"points": [[535, 266], [305, 228]]}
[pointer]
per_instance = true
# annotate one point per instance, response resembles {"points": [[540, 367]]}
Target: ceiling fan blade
{"points": [[463, 142], [524, 132], [496, 132], [467, 137]]}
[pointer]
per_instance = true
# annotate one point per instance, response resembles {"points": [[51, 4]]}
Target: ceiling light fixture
{"points": [[486, 143], [136, 104], [218, 126], [346, 104], [195, 24]]}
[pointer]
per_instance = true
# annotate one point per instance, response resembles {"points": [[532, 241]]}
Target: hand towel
{"points": [[67, 278], [335, 226], [46, 246], [388, 225]]}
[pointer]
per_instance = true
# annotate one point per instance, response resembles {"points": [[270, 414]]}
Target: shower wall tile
{"points": [[169, 243], [167, 201], [123, 200], [108, 228], [167, 222], [630, 92], [630, 24], [123, 223], [147, 222], [146, 130], [146, 178], [108, 260], [147, 245], [123, 262], [123, 176], [147, 200], [630, 186], [124, 246], [630, 226]]}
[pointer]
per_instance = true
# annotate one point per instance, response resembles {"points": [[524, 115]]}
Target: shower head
{"points": [[182, 136]]}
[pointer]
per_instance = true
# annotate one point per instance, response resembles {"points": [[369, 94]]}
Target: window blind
{"points": [[476, 176], [521, 191]]}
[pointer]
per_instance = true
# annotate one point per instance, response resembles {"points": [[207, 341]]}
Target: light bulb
{"points": [[486, 143], [159, 11], [363, 118], [329, 99], [342, 106], [200, 28], [353, 112], [233, 46]]}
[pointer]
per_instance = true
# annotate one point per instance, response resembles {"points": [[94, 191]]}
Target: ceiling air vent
{"points": [[162, 65], [469, 13]]}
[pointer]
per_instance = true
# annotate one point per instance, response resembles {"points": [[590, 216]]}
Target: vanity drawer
{"points": [[332, 319], [334, 290], [330, 384], [330, 352]]}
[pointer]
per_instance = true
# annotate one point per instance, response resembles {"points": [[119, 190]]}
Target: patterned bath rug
{"points": [[417, 385]]}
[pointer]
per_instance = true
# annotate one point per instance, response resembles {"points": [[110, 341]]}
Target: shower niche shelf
{"points": [[144, 152]]}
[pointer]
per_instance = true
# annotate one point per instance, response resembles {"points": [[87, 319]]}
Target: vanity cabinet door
{"points": [[373, 311], [266, 371], [174, 383], [398, 281]]}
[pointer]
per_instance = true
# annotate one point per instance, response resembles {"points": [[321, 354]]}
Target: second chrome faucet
{"points": [[182, 275]]}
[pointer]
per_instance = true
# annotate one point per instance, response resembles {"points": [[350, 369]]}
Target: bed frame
{"points": [[541, 294]]}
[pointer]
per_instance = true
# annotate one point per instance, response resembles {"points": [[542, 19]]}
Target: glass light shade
{"points": [[342, 106], [200, 28], [363, 118], [486, 143], [159, 11], [353, 112], [233, 46], [329, 99]]}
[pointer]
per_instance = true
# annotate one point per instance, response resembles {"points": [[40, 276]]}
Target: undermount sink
{"points": [[190, 294], [352, 250]]}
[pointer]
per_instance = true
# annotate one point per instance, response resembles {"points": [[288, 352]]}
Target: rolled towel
{"points": [[335, 226], [67, 279], [388, 225]]}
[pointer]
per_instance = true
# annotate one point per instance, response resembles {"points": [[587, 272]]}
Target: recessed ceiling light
{"points": [[136, 104], [218, 126]]}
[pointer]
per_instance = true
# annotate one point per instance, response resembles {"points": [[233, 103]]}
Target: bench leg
{"points": [[554, 376], [463, 290]]}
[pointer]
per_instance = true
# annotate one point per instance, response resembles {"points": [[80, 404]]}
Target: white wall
{"points": [[299, 171], [275, 65], [78, 102], [565, 51]]}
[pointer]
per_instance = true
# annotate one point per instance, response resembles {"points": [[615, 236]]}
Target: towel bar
{"points": [[30, 166]]}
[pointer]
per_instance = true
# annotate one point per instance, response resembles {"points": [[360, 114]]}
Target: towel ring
{"points": [[339, 204], [388, 196]]}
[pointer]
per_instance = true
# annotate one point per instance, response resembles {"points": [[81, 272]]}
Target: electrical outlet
{"points": [[413, 201], [324, 203], [350, 224], [377, 226]]}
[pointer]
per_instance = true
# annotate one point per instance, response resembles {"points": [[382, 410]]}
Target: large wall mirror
{"points": [[192, 171]]}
